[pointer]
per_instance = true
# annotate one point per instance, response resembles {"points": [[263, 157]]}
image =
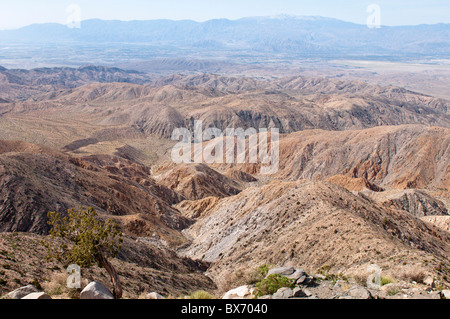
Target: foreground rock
{"points": [[154, 295], [96, 290], [37, 295], [21, 292], [333, 287], [283, 293], [282, 271], [243, 292], [445, 294], [357, 292]]}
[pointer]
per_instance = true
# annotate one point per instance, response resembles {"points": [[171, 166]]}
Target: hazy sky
{"points": [[17, 13]]}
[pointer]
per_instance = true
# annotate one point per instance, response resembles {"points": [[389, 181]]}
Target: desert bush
{"points": [[385, 280], [241, 277], [271, 284], [93, 241], [199, 294], [57, 286], [413, 274]]}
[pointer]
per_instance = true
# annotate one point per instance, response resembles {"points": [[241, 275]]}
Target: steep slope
{"points": [[35, 180], [312, 224], [411, 156]]}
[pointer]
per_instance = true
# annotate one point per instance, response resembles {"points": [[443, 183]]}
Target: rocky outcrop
{"points": [[333, 286], [417, 203]]}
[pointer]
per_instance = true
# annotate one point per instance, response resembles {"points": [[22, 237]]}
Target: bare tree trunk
{"points": [[117, 287]]}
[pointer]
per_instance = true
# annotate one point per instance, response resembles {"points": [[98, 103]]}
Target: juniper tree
{"points": [[92, 241]]}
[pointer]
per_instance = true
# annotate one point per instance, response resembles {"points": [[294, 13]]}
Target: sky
{"points": [[19, 13]]}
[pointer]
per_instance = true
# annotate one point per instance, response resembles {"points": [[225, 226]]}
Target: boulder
{"points": [[37, 295], [96, 290], [297, 292], [283, 271], [304, 280], [243, 292], [301, 280], [359, 292], [445, 294], [297, 274], [307, 293], [154, 295], [22, 292], [283, 293]]}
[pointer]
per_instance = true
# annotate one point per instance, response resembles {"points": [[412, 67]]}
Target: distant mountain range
{"points": [[300, 36]]}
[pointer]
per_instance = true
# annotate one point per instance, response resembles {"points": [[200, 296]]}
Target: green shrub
{"points": [[263, 270], [255, 275], [271, 284], [385, 280]]}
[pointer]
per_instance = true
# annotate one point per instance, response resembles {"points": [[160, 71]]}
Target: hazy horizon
{"points": [[237, 19], [21, 13]]}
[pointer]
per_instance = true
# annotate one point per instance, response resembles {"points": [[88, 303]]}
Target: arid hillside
{"points": [[35, 180], [313, 225], [411, 156], [142, 267], [290, 104]]}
